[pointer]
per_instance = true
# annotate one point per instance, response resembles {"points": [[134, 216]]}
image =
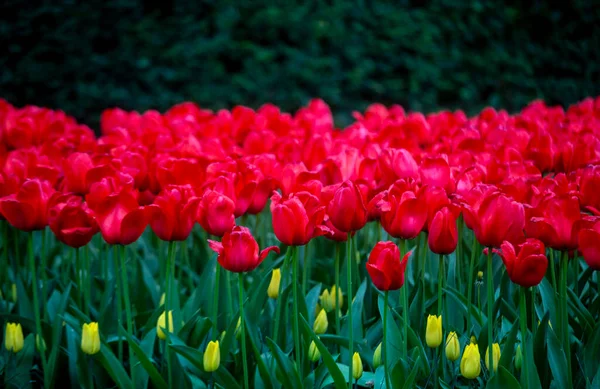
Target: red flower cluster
{"points": [[534, 174]]}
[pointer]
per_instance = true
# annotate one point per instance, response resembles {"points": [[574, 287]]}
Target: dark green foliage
{"points": [[83, 57]]}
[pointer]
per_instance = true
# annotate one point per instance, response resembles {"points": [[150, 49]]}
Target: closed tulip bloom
{"points": [[403, 210], [589, 245], [328, 297], [40, 343], [27, 210], [443, 233], [71, 221], [75, 169], [385, 267], [377, 357], [212, 356], [297, 218], [495, 356], [161, 325], [313, 352], [215, 213], [347, 210], [526, 266], [238, 251], [452, 347], [589, 188], [13, 337], [321, 323], [357, 366], [518, 358], [173, 214], [90, 338], [433, 333], [273, 290], [556, 222], [470, 364]]}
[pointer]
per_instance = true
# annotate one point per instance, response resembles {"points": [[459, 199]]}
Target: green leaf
{"points": [[290, 377], [410, 380], [262, 367], [146, 363], [557, 360], [502, 380], [508, 350]]}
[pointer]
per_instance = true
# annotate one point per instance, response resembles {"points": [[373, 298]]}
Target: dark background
{"points": [[83, 57]]}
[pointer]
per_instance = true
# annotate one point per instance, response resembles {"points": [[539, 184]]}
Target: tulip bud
{"points": [[377, 357], [162, 300], [452, 347], [495, 356], [40, 343], [433, 334], [90, 338], [518, 358], [480, 275], [313, 352], [321, 323], [222, 336], [473, 339], [212, 356], [470, 365], [13, 289], [318, 308], [13, 339], [238, 328], [273, 290], [357, 366], [328, 298], [162, 323]]}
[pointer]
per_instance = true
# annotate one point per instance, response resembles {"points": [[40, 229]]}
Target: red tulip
{"points": [[71, 221], [494, 217], [526, 266], [238, 251], [174, 212], [443, 233], [215, 213], [347, 210], [75, 169], [435, 171], [403, 210], [297, 218], [589, 245], [435, 199], [385, 266], [120, 218], [589, 188], [27, 209], [556, 222]]}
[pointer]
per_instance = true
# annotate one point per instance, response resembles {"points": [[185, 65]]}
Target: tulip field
{"points": [[261, 249]]}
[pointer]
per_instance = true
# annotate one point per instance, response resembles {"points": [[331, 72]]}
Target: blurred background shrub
{"points": [[85, 56]]}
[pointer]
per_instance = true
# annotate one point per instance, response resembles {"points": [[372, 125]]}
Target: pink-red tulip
{"points": [[526, 263], [385, 266], [347, 210], [27, 209], [589, 245], [443, 233], [71, 221], [215, 213], [238, 251], [297, 218], [173, 214]]}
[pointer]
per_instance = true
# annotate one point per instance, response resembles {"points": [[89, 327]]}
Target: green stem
{"points": [[423, 258], [564, 269], [490, 303], [229, 296], [242, 330], [169, 304], [79, 277], [280, 301], [552, 271], [470, 285], [336, 262], [296, 324], [119, 299], [128, 314], [406, 315], [44, 266], [523, 322], [306, 268], [385, 359], [88, 283], [36, 303], [215, 307], [440, 281], [533, 314], [349, 314], [458, 257]]}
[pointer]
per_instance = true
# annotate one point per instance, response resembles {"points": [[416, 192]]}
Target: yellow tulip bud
{"points": [[321, 323], [452, 347], [90, 338], [238, 328], [222, 336], [357, 366], [518, 358], [212, 356], [480, 275], [162, 300], [328, 298], [13, 289], [377, 357], [273, 290], [495, 356], [433, 333], [161, 324], [313, 352], [473, 339], [40, 343], [470, 364], [318, 309], [13, 339]]}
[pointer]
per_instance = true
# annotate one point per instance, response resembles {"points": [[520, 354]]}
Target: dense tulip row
{"points": [[526, 185]]}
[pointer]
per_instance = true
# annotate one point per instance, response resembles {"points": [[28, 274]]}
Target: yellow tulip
{"points": [[13, 339], [495, 356], [273, 290], [518, 358], [357, 366], [313, 352], [162, 323], [212, 356], [480, 275], [377, 357], [90, 338], [452, 347], [328, 298], [321, 323], [433, 333], [470, 364]]}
